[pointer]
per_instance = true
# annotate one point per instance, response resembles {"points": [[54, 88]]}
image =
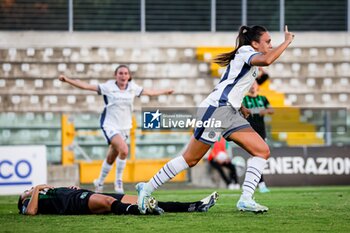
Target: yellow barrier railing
{"points": [[67, 138], [136, 169]]}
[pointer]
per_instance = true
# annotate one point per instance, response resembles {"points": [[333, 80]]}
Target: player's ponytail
{"points": [[246, 35]]}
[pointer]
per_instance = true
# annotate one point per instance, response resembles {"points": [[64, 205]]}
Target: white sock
{"points": [[121, 163], [104, 171], [255, 168], [167, 172]]}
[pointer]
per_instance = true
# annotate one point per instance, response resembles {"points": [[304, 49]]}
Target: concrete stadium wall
{"points": [[61, 176], [154, 39]]}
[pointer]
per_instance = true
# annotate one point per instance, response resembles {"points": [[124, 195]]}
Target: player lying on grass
{"points": [[45, 199]]}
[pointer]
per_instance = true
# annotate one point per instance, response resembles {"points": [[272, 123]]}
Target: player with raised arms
{"points": [[116, 118]]}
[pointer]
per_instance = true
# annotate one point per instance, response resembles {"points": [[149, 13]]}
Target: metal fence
{"points": [[178, 15]]}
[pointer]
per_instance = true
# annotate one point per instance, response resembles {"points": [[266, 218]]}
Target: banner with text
{"points": [[302, 166], [21, 167]]}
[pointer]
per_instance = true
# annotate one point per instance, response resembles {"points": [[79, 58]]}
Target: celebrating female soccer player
{"points": [[253, 49], [116, 119]]}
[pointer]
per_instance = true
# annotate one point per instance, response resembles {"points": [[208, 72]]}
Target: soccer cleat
{"points": [[208, 202], [153, 207], [118, 187], [98, 186], [248, 204], [142, 197]]}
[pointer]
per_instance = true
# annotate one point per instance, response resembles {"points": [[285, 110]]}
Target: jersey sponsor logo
{"points": [[123, 99], [83, 195], [111, 132], [44, 191]]}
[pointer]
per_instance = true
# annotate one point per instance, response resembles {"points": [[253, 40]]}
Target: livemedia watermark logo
{"points": [[152, 120], [181, 119]]}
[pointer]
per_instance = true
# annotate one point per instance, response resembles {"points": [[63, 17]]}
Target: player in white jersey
{"points": [[253, 49], [116, 118]]}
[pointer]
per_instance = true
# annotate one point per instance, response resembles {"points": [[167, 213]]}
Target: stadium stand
{"points": [[30, 75], [28, 78], [29, 84]]}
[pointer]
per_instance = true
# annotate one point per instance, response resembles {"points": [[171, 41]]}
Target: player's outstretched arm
{"points": [[78, 83], [157, 92]]}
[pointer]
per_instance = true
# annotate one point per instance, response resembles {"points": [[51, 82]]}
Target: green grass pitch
{"points": [[309, 209]]}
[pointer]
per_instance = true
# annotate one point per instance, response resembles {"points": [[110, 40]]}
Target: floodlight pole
{"points": [[282, 13], [213, 15], [244, 12], [348, 15], [143, 15], [70, 15]]}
